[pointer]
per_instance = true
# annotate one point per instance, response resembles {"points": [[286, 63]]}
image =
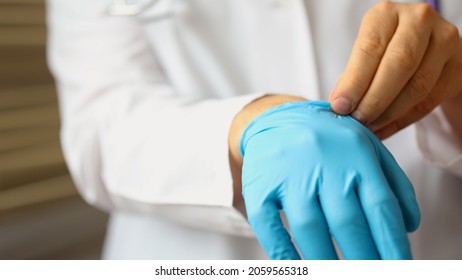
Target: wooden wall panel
{"points": [[41, 213]]}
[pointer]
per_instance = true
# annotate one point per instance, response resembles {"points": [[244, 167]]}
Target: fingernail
{"points": [[341, 106], [359, 117]]}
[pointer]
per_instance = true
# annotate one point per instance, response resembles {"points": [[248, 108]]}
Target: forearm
{"points": [[240, 122]]}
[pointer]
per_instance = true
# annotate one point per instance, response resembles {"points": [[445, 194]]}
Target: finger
{"points": [[414, 92], [308, 227], [399, 63], [377, 28], [346, 220], [401, 187], [383, 214], [444, 88], [421, 84], [270, 231]]}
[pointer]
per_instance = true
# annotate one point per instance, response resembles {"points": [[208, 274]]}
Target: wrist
{"points": [[248, 113], [238, 125]]}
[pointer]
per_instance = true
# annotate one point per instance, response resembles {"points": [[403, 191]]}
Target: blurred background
{"points": [[41, 214]]}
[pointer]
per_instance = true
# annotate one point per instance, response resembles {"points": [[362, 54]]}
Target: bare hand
{"points": [[406, 60]]}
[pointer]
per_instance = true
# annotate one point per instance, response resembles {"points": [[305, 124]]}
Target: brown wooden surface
{"points": [[30, 153], [34, 181]]}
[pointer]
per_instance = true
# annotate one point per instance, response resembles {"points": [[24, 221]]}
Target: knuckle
{"points": [[403, 59], [451, 35], [420, 85], [384, 7], [373, 46], [424, 12]]}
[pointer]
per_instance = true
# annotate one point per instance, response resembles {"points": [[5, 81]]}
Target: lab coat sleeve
{"points": [[130, 141], [438, 143]]}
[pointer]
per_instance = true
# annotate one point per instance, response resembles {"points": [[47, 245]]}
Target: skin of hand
{"points": [[406, 61]]}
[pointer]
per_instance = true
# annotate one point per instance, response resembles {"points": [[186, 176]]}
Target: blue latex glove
{"points": [[332, 177]]}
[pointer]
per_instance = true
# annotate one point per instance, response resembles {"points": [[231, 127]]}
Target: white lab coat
{"points": [[146, 103]]}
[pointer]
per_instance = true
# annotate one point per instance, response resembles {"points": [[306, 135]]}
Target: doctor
{"points": [[147, 102]]}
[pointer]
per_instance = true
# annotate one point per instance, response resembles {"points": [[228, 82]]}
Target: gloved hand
{"points": [[332, 177]]}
